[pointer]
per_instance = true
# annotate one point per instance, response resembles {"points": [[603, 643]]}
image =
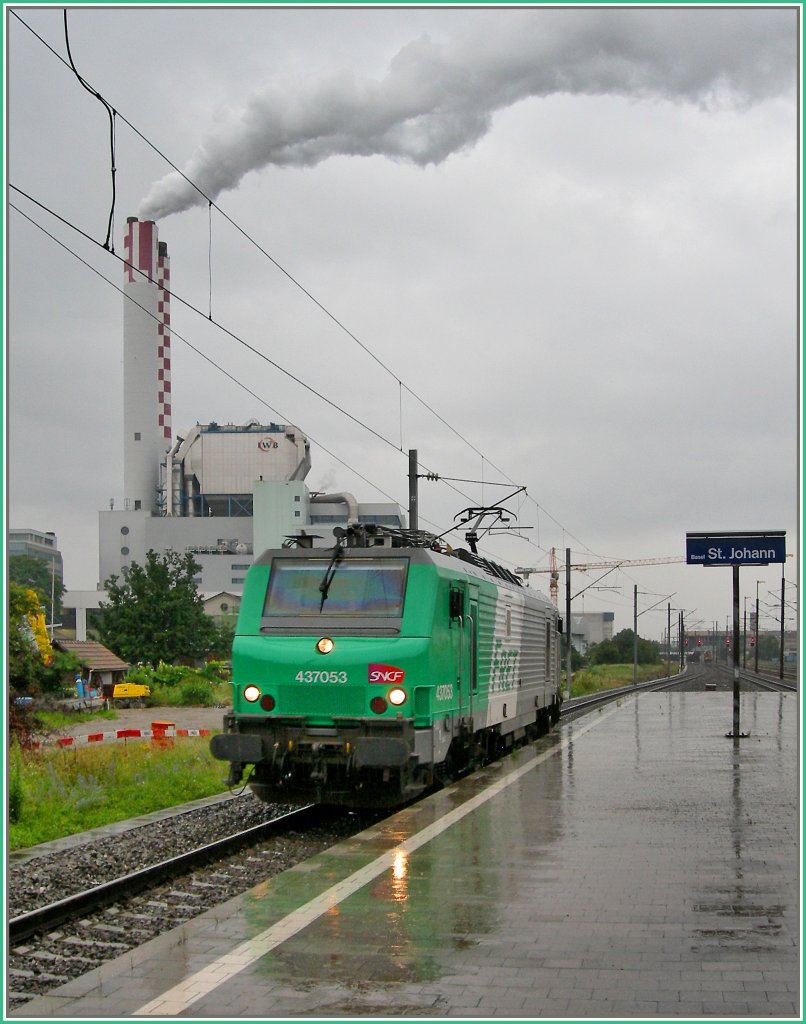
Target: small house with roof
{"points": [[99, 666]]}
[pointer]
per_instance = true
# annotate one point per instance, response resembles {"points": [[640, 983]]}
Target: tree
{"points": [[221, 649], [769, 647], [605, 653], [619, 650], [36, 573], [25, 663], [577, 659], [155, 612]]}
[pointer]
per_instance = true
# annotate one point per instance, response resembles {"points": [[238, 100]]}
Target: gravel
{"points": [[49, 877], [49, 959]]}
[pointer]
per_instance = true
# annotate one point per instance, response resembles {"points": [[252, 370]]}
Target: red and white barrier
{"points": [[120, 734]]}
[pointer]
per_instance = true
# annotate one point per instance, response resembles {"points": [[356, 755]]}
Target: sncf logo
{"points": [[385, 674]]}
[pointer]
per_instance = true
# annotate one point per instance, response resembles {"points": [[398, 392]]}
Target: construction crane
{"points": [[526, 572]]}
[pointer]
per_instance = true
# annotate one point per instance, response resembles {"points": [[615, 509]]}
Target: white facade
{"points": [[211, 471], [591, 628], [225, 546], [221, 545]]}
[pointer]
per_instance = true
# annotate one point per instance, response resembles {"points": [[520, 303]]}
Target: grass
{"points": [[58, 792], [55, 792], [203, 693], [608, 677], [65, 719]]}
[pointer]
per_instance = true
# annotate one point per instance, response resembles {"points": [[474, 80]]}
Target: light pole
{"points": [[636, 613]]}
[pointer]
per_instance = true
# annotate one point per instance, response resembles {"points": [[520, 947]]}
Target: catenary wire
{"points": [[195, 309], [110, 229], [198, 351]]}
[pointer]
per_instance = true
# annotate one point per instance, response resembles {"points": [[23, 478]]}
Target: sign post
{"points": [[736, 549]]}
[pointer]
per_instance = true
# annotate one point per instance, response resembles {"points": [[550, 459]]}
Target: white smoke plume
{"points": [[436, 100]]}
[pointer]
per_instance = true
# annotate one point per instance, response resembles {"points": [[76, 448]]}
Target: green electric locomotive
{"points": [[367, 673]]}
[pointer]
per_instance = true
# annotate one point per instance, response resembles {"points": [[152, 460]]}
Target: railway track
{"points": [[762, 681], [98, 896], [52, 944], [58, 941]]}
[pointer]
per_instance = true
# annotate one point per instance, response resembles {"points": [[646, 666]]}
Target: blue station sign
{"points": [[738, 548]]}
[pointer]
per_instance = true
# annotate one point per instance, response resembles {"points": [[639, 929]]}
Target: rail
{"points": [[53, 914]]}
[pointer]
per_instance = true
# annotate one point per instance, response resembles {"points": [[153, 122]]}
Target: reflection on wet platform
{"points": [[635, 863]]}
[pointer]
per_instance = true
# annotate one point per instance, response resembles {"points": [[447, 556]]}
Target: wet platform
{"points": [[636, 863]]}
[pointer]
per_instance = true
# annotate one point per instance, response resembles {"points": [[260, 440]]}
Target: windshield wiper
{"points": [[330, 572]]}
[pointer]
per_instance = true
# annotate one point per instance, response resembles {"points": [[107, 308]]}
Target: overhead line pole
{"points": [[413, 511], [668, 639], [568, 623], [781, 652], [736, 689]]}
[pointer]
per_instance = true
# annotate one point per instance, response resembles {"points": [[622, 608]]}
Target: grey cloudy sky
{"points": [[572, 233]]}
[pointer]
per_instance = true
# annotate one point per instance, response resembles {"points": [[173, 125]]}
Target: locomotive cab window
{"points": [[367, 587]]}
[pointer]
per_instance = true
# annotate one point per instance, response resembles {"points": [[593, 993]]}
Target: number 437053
{"points": [[321, 677]]}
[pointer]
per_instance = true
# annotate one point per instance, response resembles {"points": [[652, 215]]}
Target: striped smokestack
{"points": [[146, 363]]}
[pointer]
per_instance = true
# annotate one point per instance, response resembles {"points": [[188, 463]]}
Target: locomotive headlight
{"points": [[251, 693], [397, 697], [325, 645]]}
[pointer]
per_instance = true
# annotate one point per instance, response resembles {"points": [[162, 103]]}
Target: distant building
{"points": [[221, 492], [589, 628], [230, 492], [37, 545], [222, 606]]}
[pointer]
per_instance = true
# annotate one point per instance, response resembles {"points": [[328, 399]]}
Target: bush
{"points": [[16, 794], [170, 675], [141, 674], [23, 721], [58, 676], [192, 691], [196, 691], [216, 671]]}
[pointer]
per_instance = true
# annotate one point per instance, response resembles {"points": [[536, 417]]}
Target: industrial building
{"points": [[38, 545], [225, 492], [220, 491], [588, 628]]}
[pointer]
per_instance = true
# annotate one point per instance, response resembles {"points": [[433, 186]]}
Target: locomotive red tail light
{"points": [[378, 705], [397, 697], [267, 702], [251, 693]]}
